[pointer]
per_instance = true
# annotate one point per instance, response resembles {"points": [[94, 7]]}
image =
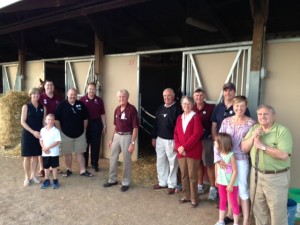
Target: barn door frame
{"points": [[239, 73], [8, 83], [70, 76]]}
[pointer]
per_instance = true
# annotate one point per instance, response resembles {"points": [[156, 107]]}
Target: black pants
{"points": [[93, 139]]}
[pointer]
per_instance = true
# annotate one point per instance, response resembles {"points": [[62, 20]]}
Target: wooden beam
{"points": [[67, 14], [21, 70], [98, 68], [98, 56], [259, 9]]}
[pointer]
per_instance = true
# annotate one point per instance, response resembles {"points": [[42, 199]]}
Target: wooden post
{"points": [[98, 68], [21, 71], [260, 14]]}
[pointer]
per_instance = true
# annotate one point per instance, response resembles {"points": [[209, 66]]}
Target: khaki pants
{"points": [[120, 144], [189, 178], [271, 195]]}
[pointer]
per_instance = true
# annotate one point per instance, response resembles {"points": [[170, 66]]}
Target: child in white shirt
{"points": [[50, 139]]}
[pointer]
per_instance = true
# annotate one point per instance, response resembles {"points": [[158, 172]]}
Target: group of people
{"points": [[220, 139], [48, 121]]}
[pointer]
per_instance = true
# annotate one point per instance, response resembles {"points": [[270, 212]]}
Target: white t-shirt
{"points": [[49, 137]]}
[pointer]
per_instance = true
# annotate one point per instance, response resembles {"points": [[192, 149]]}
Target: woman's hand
{"points": [[181, 151], [222, 164], [36, 134]]}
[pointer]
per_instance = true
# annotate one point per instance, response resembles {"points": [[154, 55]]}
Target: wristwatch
{"points": [[132, 142], [264, 148]]}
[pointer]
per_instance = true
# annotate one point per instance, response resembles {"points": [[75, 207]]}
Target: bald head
{"points": [[72, 95]]}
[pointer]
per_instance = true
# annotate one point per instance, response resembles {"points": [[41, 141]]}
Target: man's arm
{"points": [[214, 131], [85, 124], [112, 137], [133, 138], [271, 151], [103, 118], [57, 124]]}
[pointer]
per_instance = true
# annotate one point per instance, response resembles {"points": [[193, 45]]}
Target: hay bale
{"points": [[10, 116], [12, 152]]}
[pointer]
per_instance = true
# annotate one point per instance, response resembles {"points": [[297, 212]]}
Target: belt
{"points": [[124, 133], [95, 120], [272, 171]]}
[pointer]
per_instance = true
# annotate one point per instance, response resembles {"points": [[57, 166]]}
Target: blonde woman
{"points": [[32, 118], [237, 126]]}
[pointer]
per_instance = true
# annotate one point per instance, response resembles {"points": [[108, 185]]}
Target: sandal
{"points": [[184, 200], [26, 182], [194, 204], [68, 173], [35, 180], [86, 174]]}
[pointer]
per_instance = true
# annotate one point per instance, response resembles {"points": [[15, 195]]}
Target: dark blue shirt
{"points": [[221, 112]]}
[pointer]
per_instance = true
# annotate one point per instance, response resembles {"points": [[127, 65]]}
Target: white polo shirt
{"points": [[49, 137]]}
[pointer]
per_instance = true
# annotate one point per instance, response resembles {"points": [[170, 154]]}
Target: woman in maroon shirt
{"points": [[187, 135]]}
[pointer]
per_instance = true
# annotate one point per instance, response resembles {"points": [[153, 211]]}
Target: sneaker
{"points": [[200, 189], [35, 180], [220, 223], [45, 184], [26, 182], [55, 184], [212, 194]]}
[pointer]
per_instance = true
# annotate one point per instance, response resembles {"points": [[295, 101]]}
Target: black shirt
{"points": [[165, 121], [71, 118]]}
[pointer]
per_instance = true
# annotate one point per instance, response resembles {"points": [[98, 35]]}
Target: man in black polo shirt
{"points": [[163, 141], [71, 117]]}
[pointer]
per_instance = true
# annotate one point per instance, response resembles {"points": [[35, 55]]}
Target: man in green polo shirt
{"points": [[270, 145]]}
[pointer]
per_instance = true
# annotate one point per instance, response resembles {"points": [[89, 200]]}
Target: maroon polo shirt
{"points": [[94, 106], [50, 103], [205, 114], [126, 120]]}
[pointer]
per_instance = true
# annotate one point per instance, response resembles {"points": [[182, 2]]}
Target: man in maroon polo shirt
{"points": [[48, 98], [96, 125], [205, 111], [125, 131], [50, 101]]}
